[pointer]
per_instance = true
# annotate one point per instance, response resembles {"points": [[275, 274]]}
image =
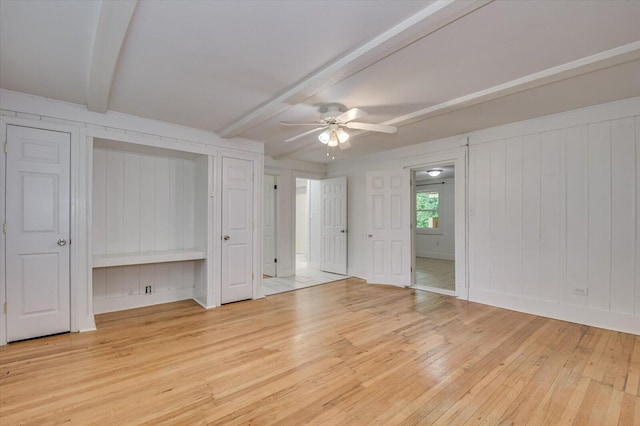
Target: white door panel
{"points": [[269, 227], [237, 230], [38, 232], [334, 225], [388, 236]]}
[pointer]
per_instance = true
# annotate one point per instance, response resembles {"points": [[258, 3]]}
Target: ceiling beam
{"points": [[609, 58], [113, 22], [616, 56], [430, 19]]}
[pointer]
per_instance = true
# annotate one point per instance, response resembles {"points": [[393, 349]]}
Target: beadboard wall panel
{"points": [[123, 287], [142, 202], [554, 218]]}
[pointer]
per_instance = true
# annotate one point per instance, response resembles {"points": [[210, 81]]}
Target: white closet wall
{"points": [[149, 225], [142, 202]]}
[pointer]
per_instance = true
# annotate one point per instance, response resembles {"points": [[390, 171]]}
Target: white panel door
{"points": [[333, 245], [38, 216], [237, 230], [269, 227], [389, 233]]}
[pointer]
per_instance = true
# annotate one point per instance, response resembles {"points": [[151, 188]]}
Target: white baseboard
{"points": [[201, 303], [101, 306], [573, 313], [436, 255]]}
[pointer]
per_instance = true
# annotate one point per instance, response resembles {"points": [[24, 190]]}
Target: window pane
{"points": [[427, 219], [427, 210]]}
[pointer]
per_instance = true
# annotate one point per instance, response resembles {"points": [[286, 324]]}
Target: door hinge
{"points": [[6, 147], [275, 260], [275, 186], [252, 276], [5, 307], [4, 227]]}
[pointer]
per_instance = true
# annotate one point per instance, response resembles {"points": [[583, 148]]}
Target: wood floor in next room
{"points": [[435, 273], [343, 353]]}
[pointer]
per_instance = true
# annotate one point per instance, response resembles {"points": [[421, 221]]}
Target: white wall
{"points": [[440, 245], [85, 126], [554, 210], [555, 217]]}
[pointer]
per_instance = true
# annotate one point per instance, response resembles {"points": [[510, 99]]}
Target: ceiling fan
{"points": [[333, 117]]}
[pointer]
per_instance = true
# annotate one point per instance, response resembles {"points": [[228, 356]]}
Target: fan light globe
{"points": [[434, 172], [333, 140], [324, 137], [342, 135]]}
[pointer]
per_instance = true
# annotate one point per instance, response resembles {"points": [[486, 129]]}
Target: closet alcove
{"points": [[149, 225]]}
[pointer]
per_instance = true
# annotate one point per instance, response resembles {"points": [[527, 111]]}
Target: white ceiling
{"points": [[238, 68]]}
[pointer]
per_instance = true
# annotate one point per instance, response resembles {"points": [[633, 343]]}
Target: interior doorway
{"points": [[307, 226], [315, 247], [433, 210]]}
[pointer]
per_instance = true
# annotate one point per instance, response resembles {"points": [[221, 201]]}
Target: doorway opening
{"points": [[310, 267], [307, 229], [433, 236]]}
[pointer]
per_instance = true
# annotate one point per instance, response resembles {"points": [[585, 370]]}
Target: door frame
{"points": [[460, 161], [275, 220], [81, 309]]}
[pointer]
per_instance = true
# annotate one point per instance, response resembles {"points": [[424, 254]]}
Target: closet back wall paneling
{"points": [[142, 202]]}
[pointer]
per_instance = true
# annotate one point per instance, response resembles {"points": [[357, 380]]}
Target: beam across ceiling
{"points": [[430, 19], [114, 20], [608, 58]]}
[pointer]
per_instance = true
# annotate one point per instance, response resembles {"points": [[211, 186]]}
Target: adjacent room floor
{"points": [[435, 273], [304, 277]]}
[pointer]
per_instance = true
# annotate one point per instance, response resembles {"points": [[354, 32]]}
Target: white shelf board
{"points": [[123, 259]]}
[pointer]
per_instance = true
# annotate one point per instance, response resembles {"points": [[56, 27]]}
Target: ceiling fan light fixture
{"points": [[324, 137], [333, 140], [434, 172], [342, 135]]}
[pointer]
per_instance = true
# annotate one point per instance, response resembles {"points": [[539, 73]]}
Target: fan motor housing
{"points": [[330, 111]]}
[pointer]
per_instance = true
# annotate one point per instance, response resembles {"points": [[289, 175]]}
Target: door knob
{"points": [[343, 230], [226, 237], [62, 242], [370, 235]]}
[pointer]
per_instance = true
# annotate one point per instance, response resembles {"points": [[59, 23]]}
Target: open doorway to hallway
{"points": [[433, 232], [307, 242]]}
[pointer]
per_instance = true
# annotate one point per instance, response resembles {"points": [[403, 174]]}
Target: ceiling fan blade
{"points": [[305, 134], [345, 145], [292, 123], [371, 127], [351, 114]]}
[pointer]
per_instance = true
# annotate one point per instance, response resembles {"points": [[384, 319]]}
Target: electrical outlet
{"points": [[147, 289], [580, 291]]}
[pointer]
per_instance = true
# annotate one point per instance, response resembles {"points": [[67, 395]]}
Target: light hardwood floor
{"points": [[343, 353], [438, 273]]}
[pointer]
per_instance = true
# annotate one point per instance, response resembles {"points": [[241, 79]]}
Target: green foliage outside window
{"points": [[427, 210]]}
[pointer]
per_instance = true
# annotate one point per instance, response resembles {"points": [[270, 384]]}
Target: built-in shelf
{"points": [[123, 259]]}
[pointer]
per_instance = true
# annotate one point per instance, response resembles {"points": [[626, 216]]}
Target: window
{"points": [[427, 210]]}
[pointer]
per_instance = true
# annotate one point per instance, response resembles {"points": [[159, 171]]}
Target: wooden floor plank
{"points": [[340, 353]]}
